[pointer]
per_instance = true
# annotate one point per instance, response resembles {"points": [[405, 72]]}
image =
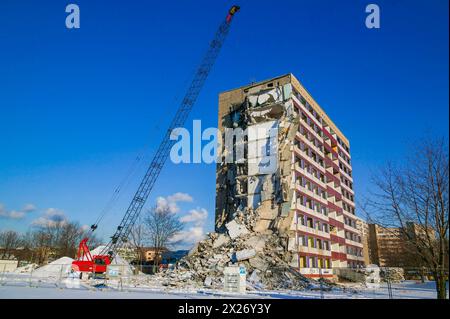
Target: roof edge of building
{"points": [[256, 83], [319, 109], [299, 86]]}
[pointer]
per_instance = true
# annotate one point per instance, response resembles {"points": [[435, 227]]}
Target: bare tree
{"points": [[161, 225], [70, 235], [59, 238], [41, 244], [9, 241], [414, 198], [138, 240]]}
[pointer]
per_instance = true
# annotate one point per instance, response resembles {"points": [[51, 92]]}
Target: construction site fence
{"points": [[122, 279]]}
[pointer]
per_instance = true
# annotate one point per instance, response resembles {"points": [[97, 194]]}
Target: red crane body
{"points": [[85, 262]]}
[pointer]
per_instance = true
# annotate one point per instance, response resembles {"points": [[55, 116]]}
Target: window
{"points": [[301, 240], [302, 261], [311, 242], [312, 262], [319, 243]]}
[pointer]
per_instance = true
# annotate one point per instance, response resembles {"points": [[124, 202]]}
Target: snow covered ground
{"points": [[69, 290]]}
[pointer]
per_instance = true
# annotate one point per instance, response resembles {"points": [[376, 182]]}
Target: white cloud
{"points": [[15, 214], [170, 202], [180, 197], [50, 218], [193, 234], [189, 237], [29, 208], [197, 216]]}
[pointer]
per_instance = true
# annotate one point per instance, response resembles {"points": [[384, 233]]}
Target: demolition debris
{"points": [[264, 256]]}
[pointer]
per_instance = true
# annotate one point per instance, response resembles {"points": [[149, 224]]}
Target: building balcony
{"points": [[336, 240], [347, 188], [346, 175], [344, 150], [353, 243], [302, 107], [351, 228], [311, 130], [309, 175], [311, 212], [312, 231], [315, 251], [337, 217], [311, 194], [339, 256], [306, 157], [307, 142]]}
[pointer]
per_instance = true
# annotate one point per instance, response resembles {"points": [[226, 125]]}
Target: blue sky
{"points": [[77, 106]]}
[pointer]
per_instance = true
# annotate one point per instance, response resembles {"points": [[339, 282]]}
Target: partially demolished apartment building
{"points": [[308, 198]]}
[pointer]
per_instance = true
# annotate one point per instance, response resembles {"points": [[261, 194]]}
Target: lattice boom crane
{"points": [[85, 262]]}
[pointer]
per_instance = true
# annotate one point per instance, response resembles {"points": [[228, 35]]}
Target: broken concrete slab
{"points": [[236, 230], [245, 254], [258, 263], [208, 281], [256, 242], [262, 225], [221, 240]]}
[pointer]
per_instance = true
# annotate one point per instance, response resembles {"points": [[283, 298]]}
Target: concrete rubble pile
{"points": [[264, 255]]}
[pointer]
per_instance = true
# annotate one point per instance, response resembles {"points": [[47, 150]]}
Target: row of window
{"points": [[310, 153], [352, 236], [344, 146], [310, 169], [311, 123], [312, 204], [355, 264], [313, 242], [313, 223], [314, 262], [346, 182], [350, 222], [348, 208], [310, 137], [354, 251], [306, 183], [307, 106], [345, 169], [318, 118], [347, 194], [319, 132], [344, 157]]}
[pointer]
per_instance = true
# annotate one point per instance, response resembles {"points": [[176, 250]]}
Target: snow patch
{"points": [[59, 267]]}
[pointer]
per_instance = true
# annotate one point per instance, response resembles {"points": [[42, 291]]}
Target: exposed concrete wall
{"points": [[246, 186]]}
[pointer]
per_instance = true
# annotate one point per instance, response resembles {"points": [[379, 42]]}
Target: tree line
{"points": [[53, 240]]}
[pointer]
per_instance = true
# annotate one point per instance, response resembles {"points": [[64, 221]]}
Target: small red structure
{"points": [[85, 262]]}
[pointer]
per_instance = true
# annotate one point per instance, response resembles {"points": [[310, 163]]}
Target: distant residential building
{"points": [[390, 247], [150, 253], [363, 228]]}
